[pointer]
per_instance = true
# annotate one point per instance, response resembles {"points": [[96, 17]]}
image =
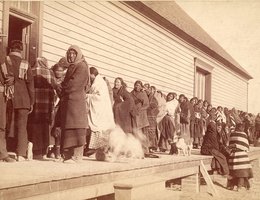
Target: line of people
{"points": [[72, 107]]}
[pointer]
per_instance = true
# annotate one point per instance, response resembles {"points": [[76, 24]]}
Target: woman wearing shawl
{"points": [[192, 118], [239, 164], [123, 105], [58, 70], [198, 125], [152, 111], [204, 116], [257, 129], [100, 115], [167, 126], [74, 119], [40, 120], [161, 106], [185, 118], [221, 117], [139, 113], [212, 146]]}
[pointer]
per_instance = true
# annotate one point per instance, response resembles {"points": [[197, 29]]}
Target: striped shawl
{"points": [[239, 159]]}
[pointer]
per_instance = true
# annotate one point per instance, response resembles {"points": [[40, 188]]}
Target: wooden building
{"points": [[156, 42]]}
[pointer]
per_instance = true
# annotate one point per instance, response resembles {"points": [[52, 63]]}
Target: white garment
{"points": [[100, 115], [171, 107], [221, 117]]}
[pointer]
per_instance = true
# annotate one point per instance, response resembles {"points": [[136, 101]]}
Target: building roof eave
{"points": [[227, 60]]}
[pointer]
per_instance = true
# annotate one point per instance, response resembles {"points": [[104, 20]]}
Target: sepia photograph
{"points": [[130, 100]]}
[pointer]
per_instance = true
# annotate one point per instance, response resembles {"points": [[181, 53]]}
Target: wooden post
{"points": [[208, 180], [122, 192]]}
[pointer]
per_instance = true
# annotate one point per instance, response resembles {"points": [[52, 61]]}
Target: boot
{"points": [[57, 152], [50, 153]]}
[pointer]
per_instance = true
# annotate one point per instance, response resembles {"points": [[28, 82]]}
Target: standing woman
{"points": [[167, 126], [59, 73], [73, 107], [123, 105], [198, 125], [192, 118], [185, 118], [257, 129], [39, 121], [139, 114], [152, 111], [204, 116]]}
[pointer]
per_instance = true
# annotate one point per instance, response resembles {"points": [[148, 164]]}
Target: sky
{"points": [[235, 25]]}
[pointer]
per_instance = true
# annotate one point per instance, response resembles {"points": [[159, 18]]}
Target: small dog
{"points": [[182, 146], [124, 144]]}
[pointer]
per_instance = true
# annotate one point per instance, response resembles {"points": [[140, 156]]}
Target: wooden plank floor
{"points": [[32, 178]]}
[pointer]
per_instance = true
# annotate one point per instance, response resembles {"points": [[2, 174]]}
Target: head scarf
{"points": [[41, 62], [79, 57]]}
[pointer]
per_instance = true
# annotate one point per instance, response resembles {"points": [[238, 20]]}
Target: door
{"points": [[19, 29]]}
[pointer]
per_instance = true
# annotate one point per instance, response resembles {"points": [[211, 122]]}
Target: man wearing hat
{"points": [[18, 92]]}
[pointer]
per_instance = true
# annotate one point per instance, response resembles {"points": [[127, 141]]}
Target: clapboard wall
{"points": [[1, 16], [120, 43]]}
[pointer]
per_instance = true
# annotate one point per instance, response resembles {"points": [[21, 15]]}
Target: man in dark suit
{"points": [[19, 91]]}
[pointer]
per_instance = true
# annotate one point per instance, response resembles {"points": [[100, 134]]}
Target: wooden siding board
{"points": [[168, 67], [133, 25], [128, 40], [123, 62], [120, 44], [145, 63]]}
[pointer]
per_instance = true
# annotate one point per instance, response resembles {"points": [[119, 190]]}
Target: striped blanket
{"points": [[238, 159]]}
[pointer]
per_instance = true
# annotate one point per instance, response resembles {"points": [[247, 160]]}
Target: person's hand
{"points": [[31, 109], [9, 80]]}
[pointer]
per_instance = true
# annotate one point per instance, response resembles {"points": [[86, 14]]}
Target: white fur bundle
{"points": [[124, 144], [182, 146]]}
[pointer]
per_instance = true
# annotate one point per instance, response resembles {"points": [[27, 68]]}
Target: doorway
{"points": [[19, 29]]}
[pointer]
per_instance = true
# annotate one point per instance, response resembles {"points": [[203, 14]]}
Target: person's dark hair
{"points": [[160, 92], [170, 93], [181, 95], [139, 82], [153, 87], [93, 70], [122, 81], [16, 45], [56, 66], [219, 107], [147, 85], [205, 101], [213, 109]]}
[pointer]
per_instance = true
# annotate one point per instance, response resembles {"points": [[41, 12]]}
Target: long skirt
{"points": [[39, 135], [167, 131], [73, 138], [151, 132], [98, 139], [219, 162]]}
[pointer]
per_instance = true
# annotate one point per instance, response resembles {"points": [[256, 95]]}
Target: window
{"points": [[202, 88]]}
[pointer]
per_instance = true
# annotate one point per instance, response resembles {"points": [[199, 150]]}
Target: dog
{"points": [[121, 144], [182, 147]]}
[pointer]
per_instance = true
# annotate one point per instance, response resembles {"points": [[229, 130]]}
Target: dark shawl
{"points": [[123, 106]]}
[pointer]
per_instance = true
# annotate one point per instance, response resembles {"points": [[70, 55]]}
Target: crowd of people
{"points": [[66, 110]]}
